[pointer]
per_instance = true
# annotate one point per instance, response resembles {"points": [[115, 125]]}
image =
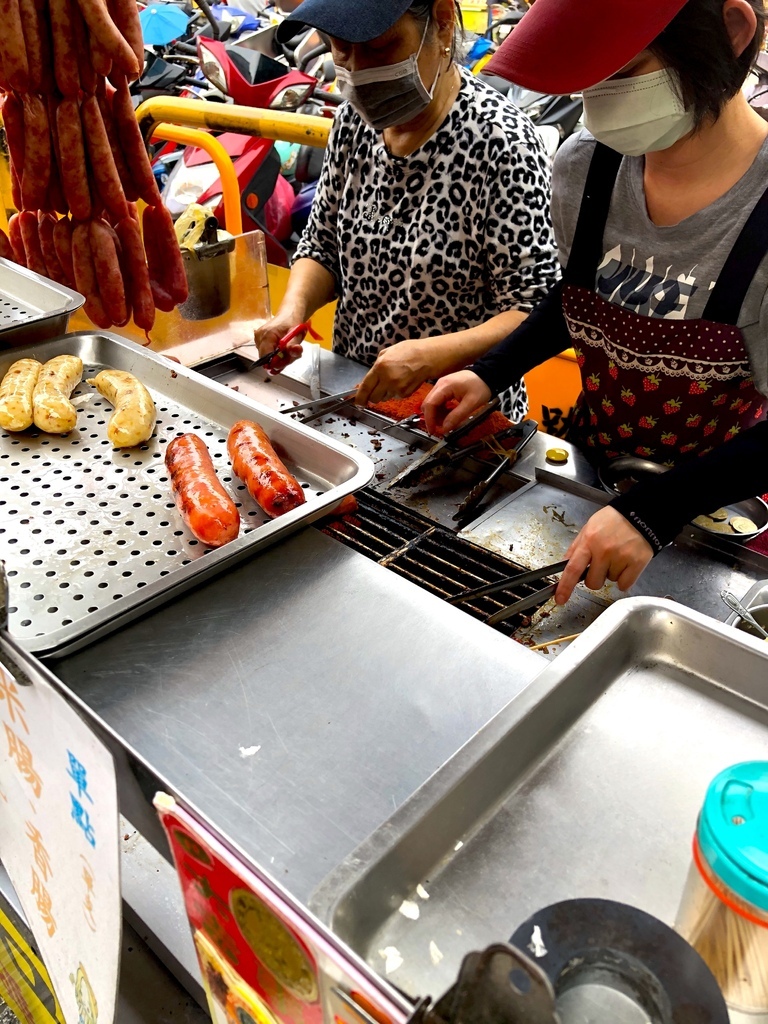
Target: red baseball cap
{"points": [[564, 46]]}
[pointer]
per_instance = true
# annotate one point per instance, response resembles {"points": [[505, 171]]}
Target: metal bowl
{"points": [[620, 475], [751, 508]]}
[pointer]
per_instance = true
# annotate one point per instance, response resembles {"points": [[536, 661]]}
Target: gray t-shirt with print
{"points": [[665, 271]]}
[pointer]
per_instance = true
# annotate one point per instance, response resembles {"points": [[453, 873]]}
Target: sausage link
{"points": [[13, 52], [132, 143], [254, 460], [104, 29], [108, 274], [16, 391], [45, 225], [102, 160], [52, 409], [56, 198], [102, 62], [37, 154], [85, 276], [133, 420], [125, 15], [82, 38], [209, 513], [136, 274], [65, 64], [105, 106], [161, 296], [73, 168], [17, 242], [166, 267], [32, 44], [31, 238], [62, 241]]}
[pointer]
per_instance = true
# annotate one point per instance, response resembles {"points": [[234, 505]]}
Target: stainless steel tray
{"points": [[90, 534], [32, 308], [588, 784]]}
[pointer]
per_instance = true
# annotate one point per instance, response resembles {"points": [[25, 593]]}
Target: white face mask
{"points": [[638, 115], [390, 95]]}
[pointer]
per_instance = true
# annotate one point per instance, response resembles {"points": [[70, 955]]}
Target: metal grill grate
{"points": [[429, 555], [83, 524]]}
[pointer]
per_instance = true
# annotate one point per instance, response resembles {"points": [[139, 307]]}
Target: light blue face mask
{"points": [[638, 115], [388, 96]]}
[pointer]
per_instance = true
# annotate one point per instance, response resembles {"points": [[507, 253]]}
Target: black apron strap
{"points": [[587, 248], [727, 298]]}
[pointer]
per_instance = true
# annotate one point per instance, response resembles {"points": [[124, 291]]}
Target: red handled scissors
{"points": [[282, 345]]}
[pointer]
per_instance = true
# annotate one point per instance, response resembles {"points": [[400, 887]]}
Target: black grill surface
{"points": [[429, 555]]}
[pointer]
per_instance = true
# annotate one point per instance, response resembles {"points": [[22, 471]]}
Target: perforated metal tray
{"points": [[90, 534], [32, 308]]}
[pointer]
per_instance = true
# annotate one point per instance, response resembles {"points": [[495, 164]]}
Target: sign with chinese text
{"points": [[263, 958], [59, 843]]}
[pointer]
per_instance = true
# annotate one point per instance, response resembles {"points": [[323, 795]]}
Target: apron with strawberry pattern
{"points": [[658, 389]]}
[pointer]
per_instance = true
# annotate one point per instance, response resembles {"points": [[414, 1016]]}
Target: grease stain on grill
{"points": [[99, 525], [429, 555]]}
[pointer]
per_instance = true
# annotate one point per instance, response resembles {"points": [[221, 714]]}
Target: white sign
{"points": [[59, 843]]}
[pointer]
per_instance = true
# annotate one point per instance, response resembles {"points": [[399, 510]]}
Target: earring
{"points": [[447, 51]]}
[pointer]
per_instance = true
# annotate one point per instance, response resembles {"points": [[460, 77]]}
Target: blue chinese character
{"points": [[81, 816], [77, 774]]}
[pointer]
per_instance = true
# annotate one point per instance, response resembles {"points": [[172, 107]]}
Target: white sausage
{"points": [[16, 392], [53, 412], [133, 420]]}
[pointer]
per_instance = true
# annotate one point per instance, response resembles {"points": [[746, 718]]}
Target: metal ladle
{"points": [[736, 606]]}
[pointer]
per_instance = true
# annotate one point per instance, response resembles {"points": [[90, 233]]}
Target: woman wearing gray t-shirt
{"points": [[661, 217], [431, 221]]}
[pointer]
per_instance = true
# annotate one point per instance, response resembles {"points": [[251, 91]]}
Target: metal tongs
{"points": [[480, 490], [534, 600], [435, 451], [321, 406]]}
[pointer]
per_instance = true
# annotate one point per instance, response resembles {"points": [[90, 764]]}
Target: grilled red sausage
{"points": [[206, 508], [255, 461]]}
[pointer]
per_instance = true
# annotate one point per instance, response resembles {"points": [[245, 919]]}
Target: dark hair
{"points": [[696, 45], [421, 10]]}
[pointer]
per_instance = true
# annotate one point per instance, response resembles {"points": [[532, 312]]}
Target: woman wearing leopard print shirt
{"points": [[431, 221]]}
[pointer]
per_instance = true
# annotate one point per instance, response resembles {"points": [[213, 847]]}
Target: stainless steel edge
{"points": [[38, 308]]}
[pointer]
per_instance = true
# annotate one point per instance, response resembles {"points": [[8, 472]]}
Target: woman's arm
{"points": [[659, 507], [316, 271], [310, 286], [400, 369], [619, 541]]}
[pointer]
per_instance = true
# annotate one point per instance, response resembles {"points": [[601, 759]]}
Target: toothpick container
{"points": [[724, 910]]}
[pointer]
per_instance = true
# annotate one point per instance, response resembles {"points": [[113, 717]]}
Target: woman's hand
{"points": [[397, 372], [612, 548], [453, 400], [269, 334]]}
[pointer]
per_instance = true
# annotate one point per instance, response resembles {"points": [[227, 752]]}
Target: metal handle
{"points": [[498, 985], [741, 610]]}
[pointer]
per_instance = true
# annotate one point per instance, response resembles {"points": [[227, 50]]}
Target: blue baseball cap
{"points": [[354, 21]]}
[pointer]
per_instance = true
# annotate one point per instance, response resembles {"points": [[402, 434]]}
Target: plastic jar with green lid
{"points": [[724, 910]]}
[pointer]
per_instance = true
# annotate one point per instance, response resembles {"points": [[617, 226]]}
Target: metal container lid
{"points": [[733, 830]]}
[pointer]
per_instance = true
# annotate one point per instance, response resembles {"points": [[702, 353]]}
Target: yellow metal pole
{"points": [[224, 117], [229, 186]]}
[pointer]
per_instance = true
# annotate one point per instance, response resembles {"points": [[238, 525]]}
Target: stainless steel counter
{"points": [[299, 700]]}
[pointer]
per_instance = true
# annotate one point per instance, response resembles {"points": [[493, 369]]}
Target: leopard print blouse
{"points": [[438, 241]]}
